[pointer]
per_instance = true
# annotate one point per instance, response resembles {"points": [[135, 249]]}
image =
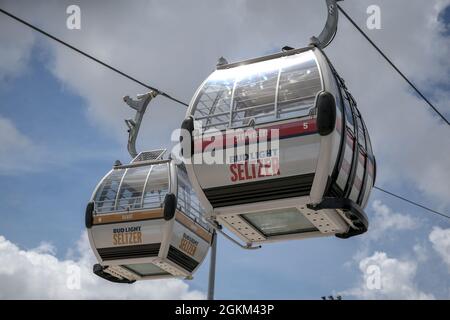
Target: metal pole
{"points": [[212, 267]]}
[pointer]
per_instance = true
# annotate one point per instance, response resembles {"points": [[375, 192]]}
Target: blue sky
{"points": [[68, 116], [54, 118]]}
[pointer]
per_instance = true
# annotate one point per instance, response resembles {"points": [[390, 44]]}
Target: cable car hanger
{"points": [[329, 31], [140, 105]]}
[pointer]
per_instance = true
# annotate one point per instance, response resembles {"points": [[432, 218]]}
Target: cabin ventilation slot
{"points": [[270, 189], [181, 259], [130, 252], [149, 155]]}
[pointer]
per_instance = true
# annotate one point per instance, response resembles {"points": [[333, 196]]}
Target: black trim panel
{"points": [[364, 181], [129, 252], [333, 189], [271, 189], [88, 218], [181, 259]]}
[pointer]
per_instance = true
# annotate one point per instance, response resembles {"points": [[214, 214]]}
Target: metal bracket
{"points": [[218, 228], [330, 29], [140, 105], [352, 211], [118, 166]]}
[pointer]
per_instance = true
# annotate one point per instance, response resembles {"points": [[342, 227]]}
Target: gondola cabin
{"points": [[278, 150], [145, 221]]}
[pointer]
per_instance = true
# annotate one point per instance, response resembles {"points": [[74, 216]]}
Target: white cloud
{"points": [[440, 238], [39, 274], [385, 221], [396, 279], [421, 252]]}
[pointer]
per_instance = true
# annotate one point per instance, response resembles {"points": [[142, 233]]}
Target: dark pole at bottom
{"points": [[212, 268]]}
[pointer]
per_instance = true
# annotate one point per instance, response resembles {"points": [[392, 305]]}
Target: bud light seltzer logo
{"points": [[127, 235], [254, 165], [188, 244]]}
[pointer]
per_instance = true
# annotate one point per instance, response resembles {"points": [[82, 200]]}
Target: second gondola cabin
{"points": [[144, 221], [313, 174]]}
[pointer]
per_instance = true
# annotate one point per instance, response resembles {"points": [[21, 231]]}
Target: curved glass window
{"points": [[187, 201], [213, 102], [361, 131], [280, 222], [259, 92], [298, 86], [130, 195], [254, 98], [132, 189], [157, 186], [348, 112], [106, 194]]}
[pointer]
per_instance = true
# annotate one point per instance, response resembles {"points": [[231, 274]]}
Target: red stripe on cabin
{"points": [[286, 130]]}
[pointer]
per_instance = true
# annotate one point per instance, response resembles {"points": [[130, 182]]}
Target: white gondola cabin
{"points": [[144, 222], [291, 154]]}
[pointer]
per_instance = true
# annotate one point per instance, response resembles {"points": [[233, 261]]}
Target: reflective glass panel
{"points": [[213, 103], [299, 84], [187, 201], [130, 195], [145, 269], [280, 222], [105, 198], [254, 96], [157, 186]]}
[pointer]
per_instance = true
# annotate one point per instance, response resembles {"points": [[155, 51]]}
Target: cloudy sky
{"points": [[61, 128]]}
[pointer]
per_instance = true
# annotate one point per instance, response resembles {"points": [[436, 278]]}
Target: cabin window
{"points": [[336, 89], [105, 198], [348, 113], [259, 92], [280, 222], [130, 196], [213, 102], [132, 189], [254, 98], [297, 91], [157, 186], [145, 269], [361, 131], [187, 200]]}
